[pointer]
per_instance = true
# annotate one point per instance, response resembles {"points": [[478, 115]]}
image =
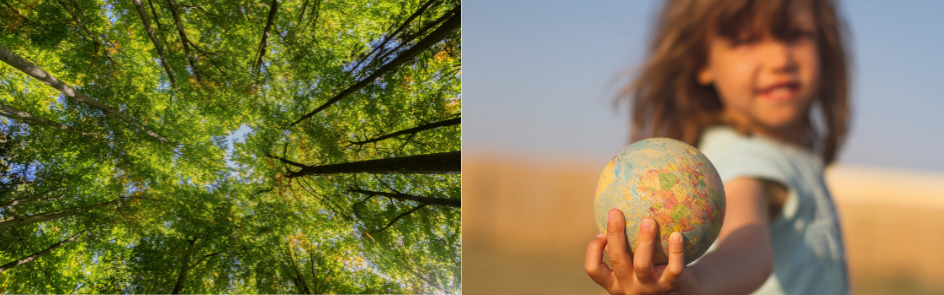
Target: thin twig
{"points": [[398, 217]]}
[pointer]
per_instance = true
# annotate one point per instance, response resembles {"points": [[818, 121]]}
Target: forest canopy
{"points": [[195, 146]]}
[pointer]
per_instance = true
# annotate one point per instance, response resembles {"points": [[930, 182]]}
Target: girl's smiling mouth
{"points": [[780, 92]]}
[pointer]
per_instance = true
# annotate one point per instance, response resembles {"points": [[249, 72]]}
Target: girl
{"points": [[761, 88]]}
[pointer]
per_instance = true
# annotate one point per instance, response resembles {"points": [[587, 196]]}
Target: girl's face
{"points": [[765, 83]]}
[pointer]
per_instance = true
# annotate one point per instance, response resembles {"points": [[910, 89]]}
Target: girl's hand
{"points": [[636, 275]]}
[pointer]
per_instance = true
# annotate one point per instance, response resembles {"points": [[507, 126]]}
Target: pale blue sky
{"points": [[538, 78]]}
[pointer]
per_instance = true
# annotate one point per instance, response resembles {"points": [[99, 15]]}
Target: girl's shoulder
{"points": [[737, 155]]}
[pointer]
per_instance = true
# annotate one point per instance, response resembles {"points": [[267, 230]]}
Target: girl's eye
{"points": [[801, 35]]}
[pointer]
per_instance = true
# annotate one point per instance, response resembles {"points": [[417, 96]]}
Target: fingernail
{"points": [[646, 223], [601, 235], [613, 215], [676, 238]]}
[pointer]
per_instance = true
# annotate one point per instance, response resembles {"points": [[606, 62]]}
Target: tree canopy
{"points": [[196, 146]]}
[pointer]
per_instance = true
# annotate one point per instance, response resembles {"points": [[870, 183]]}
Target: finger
{"points": [[616, 243], [593, 264], [642, 261], [676, 258]]}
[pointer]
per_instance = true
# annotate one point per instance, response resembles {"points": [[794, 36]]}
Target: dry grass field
{"points": [[526, 225]]}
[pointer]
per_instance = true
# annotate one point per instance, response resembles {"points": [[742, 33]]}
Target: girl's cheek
{"points": [[742, 75]]}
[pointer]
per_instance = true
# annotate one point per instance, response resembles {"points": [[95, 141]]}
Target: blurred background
{"points": [[538, 86]]}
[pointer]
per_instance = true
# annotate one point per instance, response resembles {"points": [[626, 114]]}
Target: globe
{"points": [[673, 183]]}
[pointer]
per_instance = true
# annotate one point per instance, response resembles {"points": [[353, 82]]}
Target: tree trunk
{"points": [[157, 43], [38, 254], [440, 33], [184, 268], [14, 221], [425, 200], [440, 163], [10, 58]]}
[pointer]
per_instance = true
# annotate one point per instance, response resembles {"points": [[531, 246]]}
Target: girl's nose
{"points": [[778, 56]]}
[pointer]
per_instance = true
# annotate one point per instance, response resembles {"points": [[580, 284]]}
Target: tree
{"points": [[117, 174]]}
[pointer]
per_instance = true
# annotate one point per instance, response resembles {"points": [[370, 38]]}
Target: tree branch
{"points": [[32, 198], [422, 31], [413, 130], [354, 207], [78, 21], [265, 36], [154, 13], [157, 43], [314, 277], [301, 16], [298, 274], [425, 200], [75, 17], [18, 12], [14, 221], [183, 36], [204, 258], [307, 187], [262, 191], [398, 218], [11, 58], [442, 32], [40, 253], [16, 114], [399, 29], [208, 57], [287, 161]]}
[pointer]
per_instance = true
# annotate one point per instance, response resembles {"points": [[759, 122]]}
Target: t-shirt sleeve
{"points": [[737, 156], [750, 161]]}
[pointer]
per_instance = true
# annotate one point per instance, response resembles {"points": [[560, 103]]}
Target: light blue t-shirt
{"points": [[809, 257]]}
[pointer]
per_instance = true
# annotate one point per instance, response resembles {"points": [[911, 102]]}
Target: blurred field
{"points": [[526, 225]]}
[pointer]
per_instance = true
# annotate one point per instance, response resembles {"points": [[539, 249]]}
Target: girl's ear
{"points": [[705, 77]]}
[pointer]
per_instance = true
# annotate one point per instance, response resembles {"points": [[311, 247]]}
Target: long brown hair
{"points": [[667, 101]]}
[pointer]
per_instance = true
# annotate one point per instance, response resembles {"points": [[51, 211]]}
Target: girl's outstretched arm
{"points": [[740, 263]]}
